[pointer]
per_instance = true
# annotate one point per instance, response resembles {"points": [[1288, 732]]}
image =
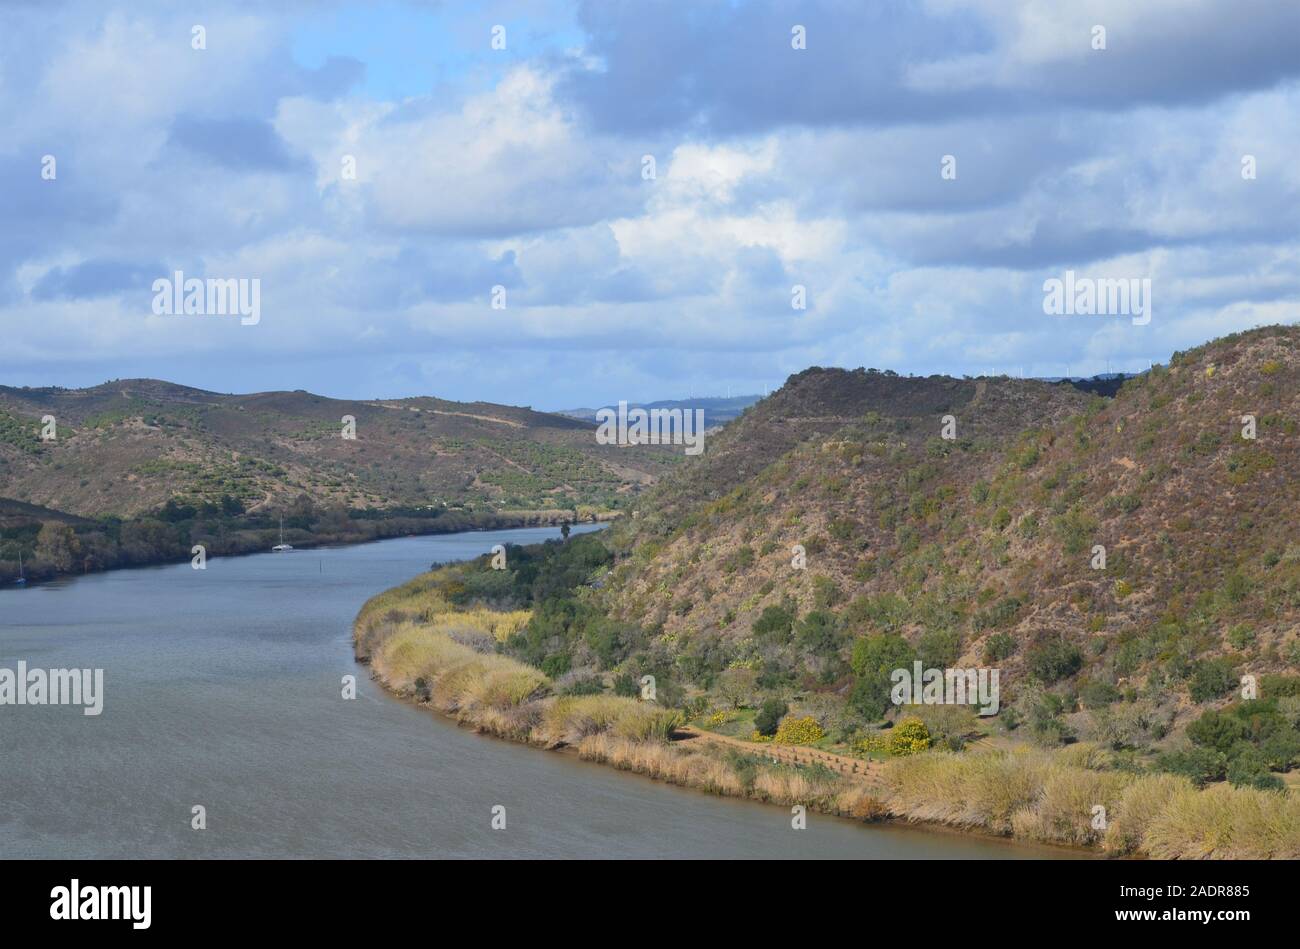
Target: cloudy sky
{"points": [[524, 168]]}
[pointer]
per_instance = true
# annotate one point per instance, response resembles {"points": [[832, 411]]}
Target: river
{"points": [[222, 688]]}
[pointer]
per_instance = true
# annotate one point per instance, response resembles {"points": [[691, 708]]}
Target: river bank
{"points": [[222, 687], [418, 650], [96, 547], [431, 642]]}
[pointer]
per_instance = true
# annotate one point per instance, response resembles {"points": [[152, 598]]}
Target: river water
{"points": [[222, 688]]}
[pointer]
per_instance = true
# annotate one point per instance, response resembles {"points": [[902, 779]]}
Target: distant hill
{"points": [[717, 411], [129, 446]]}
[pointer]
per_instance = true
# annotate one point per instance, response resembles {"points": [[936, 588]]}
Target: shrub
{"points": [[556, 664], [1139, 805], [799, 731], [1198, 765], [1054, 660], [1216, 730], [1212, 679], [774, 621], [998, 647], [909, 737], [939, 648], [1241, 636], [769, 716], [1098, 694]]}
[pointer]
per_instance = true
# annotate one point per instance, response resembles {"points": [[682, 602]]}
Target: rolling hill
{"points": [[984, 549], [129, 446], [1124, 570]]}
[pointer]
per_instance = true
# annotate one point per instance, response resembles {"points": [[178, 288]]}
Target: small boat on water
{"points": [[22, 578], [282, 545]]}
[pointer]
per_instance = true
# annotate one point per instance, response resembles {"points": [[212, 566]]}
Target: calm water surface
{"points": [[222, 688]]}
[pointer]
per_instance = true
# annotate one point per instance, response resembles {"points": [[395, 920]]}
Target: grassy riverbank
{"points": [[425, 648], [452, 640]]}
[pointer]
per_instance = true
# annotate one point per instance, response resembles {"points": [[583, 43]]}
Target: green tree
{"points": [[769, 716], [874, 660], [58, 546]]}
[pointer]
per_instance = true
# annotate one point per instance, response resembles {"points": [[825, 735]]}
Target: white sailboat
{"points": [[22, 578], [282, 545]]}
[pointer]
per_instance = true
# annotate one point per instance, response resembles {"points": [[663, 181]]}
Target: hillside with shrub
{"points": [[984, 549], [1128, 564], [129, 446], [141, 470]]}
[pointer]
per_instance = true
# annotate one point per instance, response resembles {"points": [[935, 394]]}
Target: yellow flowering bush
{"points": [[799, 731], [759, 736], [908, 737], [871, 744]]}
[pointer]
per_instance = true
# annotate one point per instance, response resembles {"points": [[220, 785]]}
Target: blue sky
{"points": [[523, 168]]}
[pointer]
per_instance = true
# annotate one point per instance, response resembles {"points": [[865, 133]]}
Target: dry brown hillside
{"points": [[985, 548], [128, 446]]}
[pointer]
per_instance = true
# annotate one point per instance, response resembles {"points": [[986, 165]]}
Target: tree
{"points": [[768, 719], [737, 685], [874, 660], [1054, 660], [58, 546], [564, 530], [1216, 730], [775, 621]]}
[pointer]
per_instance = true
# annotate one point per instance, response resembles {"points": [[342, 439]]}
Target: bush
{"points": [[769, 716], [625, 685], [1250, 769], [909, 737], [1200, 765], [774, 621], [1212, 679], [939, 648], [1216, 730], [1052, 661], [1097, 694], [998, 647], [556, 664], [1241, 636], [799, 731]]}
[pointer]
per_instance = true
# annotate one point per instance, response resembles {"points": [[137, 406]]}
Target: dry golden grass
{"points": [[500, 625], [569, 719], [492, 692], [1037, 795], [861, 804], [665, 762], [1064, 810], [1139, 804], [981, 789], [1224, 822]]}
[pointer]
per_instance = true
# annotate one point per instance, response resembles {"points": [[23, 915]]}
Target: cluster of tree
{"points": [[1247, 742], [168, 534]]}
